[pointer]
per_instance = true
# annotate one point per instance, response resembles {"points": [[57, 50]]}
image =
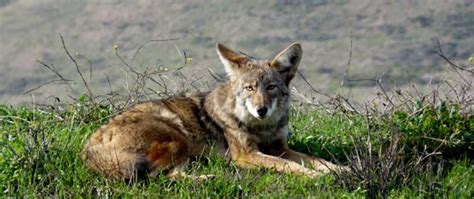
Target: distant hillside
{"points": [[393, 38]]}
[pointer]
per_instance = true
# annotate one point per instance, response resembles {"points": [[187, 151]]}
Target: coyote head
{"points": [[260, 87]]}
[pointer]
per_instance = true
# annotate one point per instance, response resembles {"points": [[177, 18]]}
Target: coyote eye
{"points": [[271, 87], [249, 88]]}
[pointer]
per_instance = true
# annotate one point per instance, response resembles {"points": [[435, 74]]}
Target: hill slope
{"points": [[391, 38]]}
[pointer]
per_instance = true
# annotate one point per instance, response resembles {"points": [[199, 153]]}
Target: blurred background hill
{"points": [[389, 38]]}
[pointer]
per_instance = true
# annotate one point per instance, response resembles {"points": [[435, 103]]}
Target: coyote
{"points": [[244, 119]]}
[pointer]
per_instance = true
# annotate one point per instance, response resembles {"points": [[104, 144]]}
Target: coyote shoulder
{"points": [[244, 118]]}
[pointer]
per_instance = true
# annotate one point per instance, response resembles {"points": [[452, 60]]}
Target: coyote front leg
{"points": [[245, 153], [258, 159], [316, 163], [281, 149]]}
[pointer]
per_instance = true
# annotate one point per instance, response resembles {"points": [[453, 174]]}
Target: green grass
{"points": [[39, 157]]}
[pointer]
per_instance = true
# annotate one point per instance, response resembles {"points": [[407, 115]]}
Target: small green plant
{"points": [[443, 128]]}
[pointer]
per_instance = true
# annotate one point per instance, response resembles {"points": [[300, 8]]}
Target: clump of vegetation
{"points": [[416, 149], [443, 128], [413, 145]]}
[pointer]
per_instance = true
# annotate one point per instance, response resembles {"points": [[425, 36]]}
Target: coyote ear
{"points": [[230, 59], [286, 62]]}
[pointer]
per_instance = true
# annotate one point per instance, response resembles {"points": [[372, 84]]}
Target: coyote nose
{"points": [[262, 111]]}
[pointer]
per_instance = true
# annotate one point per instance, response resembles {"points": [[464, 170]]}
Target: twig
{"points": [[346, 73], [311, 86], [384, 92], [89, 62], [56, 72], [47, 83], [441, 54], [214, 75], [156, 40], [77, 68]]}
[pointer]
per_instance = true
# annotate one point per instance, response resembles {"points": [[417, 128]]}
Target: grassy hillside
{"points": [[39, 157], [393, 39], [408, 133]]}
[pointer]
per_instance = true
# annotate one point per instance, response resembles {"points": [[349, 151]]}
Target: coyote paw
{"points": [[181, 175], [329, 168], [204, 177]]}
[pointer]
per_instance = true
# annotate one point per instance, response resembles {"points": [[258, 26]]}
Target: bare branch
{"points": [[452, 64], [77, 68], [154, 41]]}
